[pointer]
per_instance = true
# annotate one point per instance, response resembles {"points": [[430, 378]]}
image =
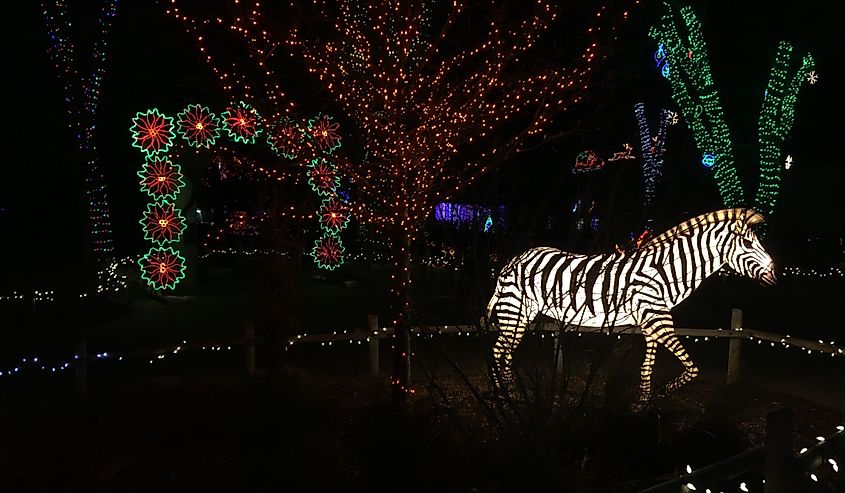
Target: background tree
{"points": [[438, 95], [694, 90], [81, 72]]}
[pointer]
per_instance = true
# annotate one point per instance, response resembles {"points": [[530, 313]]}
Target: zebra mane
{"points": [[690, 226]]}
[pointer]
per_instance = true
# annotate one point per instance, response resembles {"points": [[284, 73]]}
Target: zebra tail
{"points": [[511, 265], [492, 303]]}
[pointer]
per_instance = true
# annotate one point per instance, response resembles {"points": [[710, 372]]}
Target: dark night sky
{"points": [[152, 63]]}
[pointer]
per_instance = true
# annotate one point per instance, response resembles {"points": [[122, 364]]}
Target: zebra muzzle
{"points": [[768, 276]]}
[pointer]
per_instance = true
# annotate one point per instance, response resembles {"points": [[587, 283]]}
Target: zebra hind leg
{"points": [[506, 342], [690, 370], [645, 372]]}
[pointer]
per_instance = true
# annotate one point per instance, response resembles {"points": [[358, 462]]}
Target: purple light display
{"points": [[468, 214]]}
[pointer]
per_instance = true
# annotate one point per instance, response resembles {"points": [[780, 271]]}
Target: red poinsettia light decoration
{"points": [[324, 132], [334, 215], [161, 179], [285, 138], [163, 223], [242, 122], [199, 126], [328, 252], [162, 268], [152, 132], [323, 177]]}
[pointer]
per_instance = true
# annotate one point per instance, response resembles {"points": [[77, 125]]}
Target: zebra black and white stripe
{"points": [[626, 288]]}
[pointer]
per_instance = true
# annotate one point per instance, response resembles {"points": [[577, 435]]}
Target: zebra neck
{"points": [[708, 258], [684, 265]]}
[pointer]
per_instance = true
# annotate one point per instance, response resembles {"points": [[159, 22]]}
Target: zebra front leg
{"points": [[654, 322], [672, 343]]}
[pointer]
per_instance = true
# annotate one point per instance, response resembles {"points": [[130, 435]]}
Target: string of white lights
{"points": [[235, 251], [110, 281], [810, 466], [359, 337]]}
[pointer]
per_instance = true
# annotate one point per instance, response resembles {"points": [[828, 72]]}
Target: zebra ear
{"points": [[749, 218], [753, 217]]}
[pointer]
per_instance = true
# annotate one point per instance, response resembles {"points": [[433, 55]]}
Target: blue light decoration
{"points": [[659, 55], [661, 61], [475, 216], [708, 160]]}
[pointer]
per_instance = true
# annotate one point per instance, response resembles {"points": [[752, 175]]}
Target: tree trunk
{"points": [[401, 279]]}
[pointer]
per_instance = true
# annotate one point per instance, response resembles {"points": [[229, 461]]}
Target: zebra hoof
{"points": [[641, 404]]}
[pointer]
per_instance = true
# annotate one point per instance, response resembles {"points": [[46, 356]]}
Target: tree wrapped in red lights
{"points": [[435, 105]]}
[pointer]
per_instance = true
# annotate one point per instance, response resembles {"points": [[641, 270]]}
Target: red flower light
{"points": [[162, 223], [323, 131], [199, 126], [285, 138], [322, 176], [334, 216], [152, 132], [328, 252], [161, 179], [162, 268], [242, 122]]}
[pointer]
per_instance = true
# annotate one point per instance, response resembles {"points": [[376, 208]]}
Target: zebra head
{"points": [[745, 253]]}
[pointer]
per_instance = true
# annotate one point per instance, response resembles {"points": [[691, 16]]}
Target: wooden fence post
{"points": [[780, 477], [80, 368], [558, 352], [249, 348], [372, 328], [734, 346]]}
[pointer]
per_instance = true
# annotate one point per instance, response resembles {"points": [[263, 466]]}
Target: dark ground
{"points": [[194, 424], [313, 420]]}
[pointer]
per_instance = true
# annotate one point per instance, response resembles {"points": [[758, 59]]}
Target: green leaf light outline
{"points": [[137, 131], [181, 123], [234, 135], [144, 174], [176, 212], [158, 251]]}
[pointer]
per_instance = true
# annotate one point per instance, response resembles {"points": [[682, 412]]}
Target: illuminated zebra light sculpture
{"points": [[628, 288]]}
